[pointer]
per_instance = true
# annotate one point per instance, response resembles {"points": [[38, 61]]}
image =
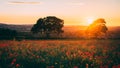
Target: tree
{"points": [[97, 29], [48, 25], [6, 33]]}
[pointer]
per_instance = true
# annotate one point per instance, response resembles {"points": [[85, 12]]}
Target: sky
{"points": [[73, 12]]}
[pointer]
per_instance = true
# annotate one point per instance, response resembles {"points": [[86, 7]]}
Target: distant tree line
{"points": [[7, 33]]}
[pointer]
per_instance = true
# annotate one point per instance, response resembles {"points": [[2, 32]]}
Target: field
{"points": [[60, 54]]}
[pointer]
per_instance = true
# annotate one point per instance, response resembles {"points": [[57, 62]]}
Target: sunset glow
{"points": [[90, 20], [73, 12]]}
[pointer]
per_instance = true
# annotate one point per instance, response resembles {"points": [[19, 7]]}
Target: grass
{"points": [[60, 54]]}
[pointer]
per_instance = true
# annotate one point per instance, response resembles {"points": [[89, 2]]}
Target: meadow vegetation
{"points": [[60, 54]]}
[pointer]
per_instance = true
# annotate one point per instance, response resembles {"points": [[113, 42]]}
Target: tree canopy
{"points": [[97, 28], [48, 25]]}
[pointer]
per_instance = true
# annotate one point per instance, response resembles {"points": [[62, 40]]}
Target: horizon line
{"points": [[64, 25]]}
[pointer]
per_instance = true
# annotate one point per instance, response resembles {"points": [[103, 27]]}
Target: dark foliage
{"points": [[7, 33], [48, 25]]}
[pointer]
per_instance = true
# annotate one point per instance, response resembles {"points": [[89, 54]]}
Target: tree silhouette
{"points": [[97, 29], [7, 33], [48, 25]]}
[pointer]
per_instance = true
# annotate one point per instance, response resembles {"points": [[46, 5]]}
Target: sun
{"points": [[90, 20]]}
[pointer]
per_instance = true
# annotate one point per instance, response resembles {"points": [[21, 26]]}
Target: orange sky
{"points": [[73, 12]]}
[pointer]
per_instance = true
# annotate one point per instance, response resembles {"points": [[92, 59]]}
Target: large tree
{"points": [[48, 25], [97, 29]]}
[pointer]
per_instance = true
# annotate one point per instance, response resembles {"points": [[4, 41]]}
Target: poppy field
{"points": [[60, 54]]}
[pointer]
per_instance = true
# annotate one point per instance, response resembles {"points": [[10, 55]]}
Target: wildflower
{"points": [[37, 56], [3, 45], [75, 67], [92, 46], [101, 66], [67, 53], [12, 63], [14, 60], [119, 66], [43, 60], [90, 58], [106, 66], [17, 65], [74, 55], [86, 65]]}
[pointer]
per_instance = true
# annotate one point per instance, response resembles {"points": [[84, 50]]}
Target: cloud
{"points": [[23, 2]]}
